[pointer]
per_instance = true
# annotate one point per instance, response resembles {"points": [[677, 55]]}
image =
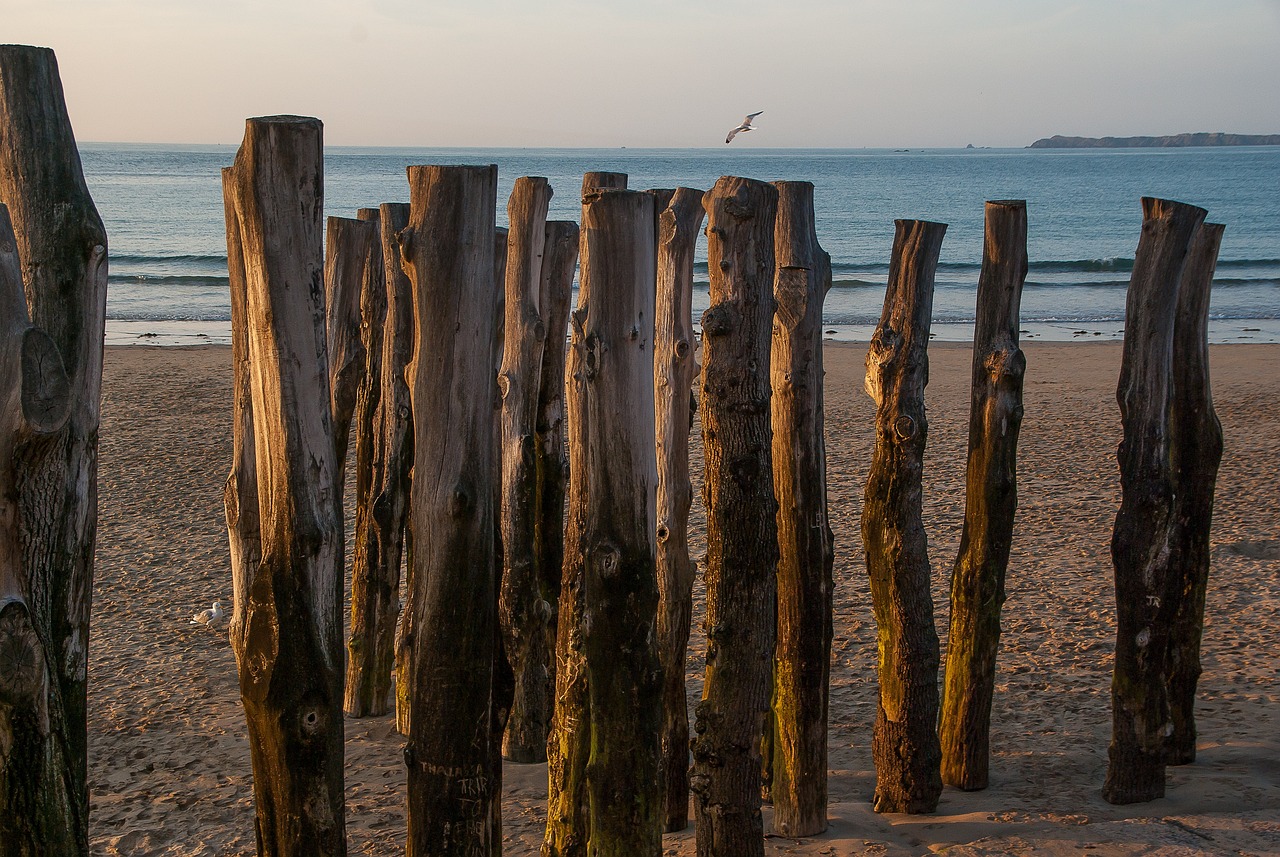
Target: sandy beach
{"points": [[169, 760]]}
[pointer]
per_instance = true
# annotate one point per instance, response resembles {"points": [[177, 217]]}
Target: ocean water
{"points": [[163, 211]]}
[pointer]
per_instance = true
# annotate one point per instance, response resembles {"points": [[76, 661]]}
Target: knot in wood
{"points": [[460, 502], [719, 320], [664, 533], [904, 427], [682, 348], [591, 356], [504, 384], [312, 720], [21, 664], [608, 560]]}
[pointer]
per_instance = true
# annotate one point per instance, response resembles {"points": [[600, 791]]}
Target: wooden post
{"points": [[352, 264], [1147, 588], [802, 656], [991, 499], [525, 616], [569, 747], [742, 536], [62, 248], [905, 742], [674, 365], [290, 654], [1197, 451], [447, 251]]}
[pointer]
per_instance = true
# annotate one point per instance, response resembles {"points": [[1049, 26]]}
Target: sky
{"points": [[661, 73]]}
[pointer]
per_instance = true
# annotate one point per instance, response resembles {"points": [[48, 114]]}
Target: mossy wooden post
{"points": [[36, 815], [1197, 451], [352, 262], [569, 746], [742, 535], [802, 659], [290, 652], [991, 499], [447, 251], [62, 250], [905, 741], [620, 589], [525, 617], [674, 366], [1147, 587]]}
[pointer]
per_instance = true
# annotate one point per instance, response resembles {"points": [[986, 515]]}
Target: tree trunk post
{"points": [[447, 251], [674, 366], [352, 264], [802, 659], [1147, 588], [62, 250], [524, 615], [905, 741], [290, 654], [1197, 451], [991, 499], [569, 746], [742, 536]]}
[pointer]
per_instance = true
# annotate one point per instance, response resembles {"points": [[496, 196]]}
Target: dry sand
{"points": [[169, 760]]}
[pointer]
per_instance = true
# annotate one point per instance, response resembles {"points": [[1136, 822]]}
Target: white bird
{"points": [[745, 126], [210, 618]]}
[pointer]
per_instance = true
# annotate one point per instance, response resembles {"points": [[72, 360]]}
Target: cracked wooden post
{"points": [[352, 264], [742, 536], [447, 251], [1147, 587], [569, 746], [620, 588], [62, 250], [525, 616], [802, 657], [1197, 451], [290, 649], [991, 499], [674, 365], [905, 741]]}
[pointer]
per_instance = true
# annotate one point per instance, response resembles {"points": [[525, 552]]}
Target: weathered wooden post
{"points": [[352, 264], [62, 249], [1197, 451], [802, 659], [1147, 588], [742, 535], [905, 742], [991, 499], [447, 251], [524, 615], [674, 366], [569, 747], [289, 650]]}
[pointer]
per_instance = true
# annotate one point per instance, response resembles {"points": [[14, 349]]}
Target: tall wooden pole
{"points": [[352, 264], [905, 742], [674, 366], [290, 654], [1197, 451], [802, 659], [448, 254], [569, 748], [742, 536], [991, 499], [62, 249], [525, 616], [1147, 588]]}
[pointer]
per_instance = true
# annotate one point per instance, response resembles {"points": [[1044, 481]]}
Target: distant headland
{"points": [[1216, 138]]}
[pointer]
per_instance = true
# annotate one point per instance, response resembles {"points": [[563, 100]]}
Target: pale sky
{"points": [[826, 73]]}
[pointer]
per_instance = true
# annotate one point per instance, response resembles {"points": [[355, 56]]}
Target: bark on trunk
{"points": [[742, 536], [352, 265], [991, 499], [524, 615], [448, 254], [802, 659], [905, 741], [568, 748], [290, 654], [1147, 586], [62, 249], [674, 366], [1197, 451]]}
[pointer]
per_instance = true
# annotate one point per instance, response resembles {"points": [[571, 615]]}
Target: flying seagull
{"points": [[745, 126]]}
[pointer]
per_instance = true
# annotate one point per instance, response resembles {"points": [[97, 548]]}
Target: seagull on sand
{"points": [[745, 126], [210, 618]]}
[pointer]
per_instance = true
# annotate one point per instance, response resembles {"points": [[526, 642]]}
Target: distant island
{"points": [[1216, 138]]}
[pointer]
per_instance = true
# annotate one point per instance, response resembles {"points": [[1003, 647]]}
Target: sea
{"points": [[162, 205]]}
